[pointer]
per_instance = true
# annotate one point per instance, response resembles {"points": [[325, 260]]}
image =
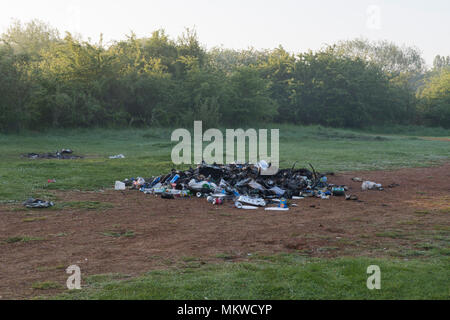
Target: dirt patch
{"points": [[140, 232], [436, 138]]}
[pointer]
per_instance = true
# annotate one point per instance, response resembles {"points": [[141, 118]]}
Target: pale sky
{"points": [[295, 24]]}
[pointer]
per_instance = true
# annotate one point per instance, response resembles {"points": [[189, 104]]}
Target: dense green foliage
{"points": [[435, 98], [49, 81]]}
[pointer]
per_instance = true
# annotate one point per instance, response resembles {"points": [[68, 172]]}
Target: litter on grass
{"points": [[62, 154], [370, 185], [117, 156], [119, 185]]}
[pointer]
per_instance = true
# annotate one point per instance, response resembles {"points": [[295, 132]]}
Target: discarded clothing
{"points": [[117, 156], [37, 203]]}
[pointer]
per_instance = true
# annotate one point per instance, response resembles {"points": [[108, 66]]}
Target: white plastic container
{"points": [[119, 185]]}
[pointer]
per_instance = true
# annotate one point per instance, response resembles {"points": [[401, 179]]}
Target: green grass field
{"points": [[147, 153], [284, 276]]}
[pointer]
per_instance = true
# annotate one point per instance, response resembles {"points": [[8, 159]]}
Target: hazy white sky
{"points": [[295, 24]]}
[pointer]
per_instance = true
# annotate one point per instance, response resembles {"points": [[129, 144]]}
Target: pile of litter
{"points": [[63, 154], [249, 186]]}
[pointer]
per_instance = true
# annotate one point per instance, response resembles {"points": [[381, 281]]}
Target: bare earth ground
{"points": [[164, 233]]}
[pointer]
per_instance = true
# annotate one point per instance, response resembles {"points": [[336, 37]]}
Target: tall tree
{"points": [[390, 57], [30, 38], [434, 106]]}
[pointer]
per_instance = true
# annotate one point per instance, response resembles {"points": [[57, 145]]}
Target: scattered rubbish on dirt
{"points": [[283, 203], [338, 191], [251, 201], [248, 186], [37, 203], [138, 183], [370, 185], [276, 209], [246, 207], [351, 197], [393, 185], [62, 154], [356, 179], [167, 195], [215, 200], [117, 156]]}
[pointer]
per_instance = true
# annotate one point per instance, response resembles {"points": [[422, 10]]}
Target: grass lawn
{"points": [[147, 153], [286, 276]]}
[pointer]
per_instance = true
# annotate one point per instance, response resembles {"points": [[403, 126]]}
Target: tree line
{"points": [[47, 81]]}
